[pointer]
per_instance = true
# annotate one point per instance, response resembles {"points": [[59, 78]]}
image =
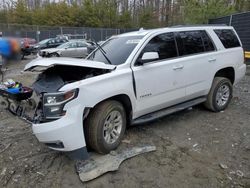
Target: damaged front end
{"points": [[54, 74]]}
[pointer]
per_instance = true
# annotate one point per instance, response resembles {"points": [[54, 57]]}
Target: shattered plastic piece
{"points": [[93, 168], [223, 166]]}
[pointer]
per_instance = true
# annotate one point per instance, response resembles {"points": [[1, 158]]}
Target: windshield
{"points": [[117, 50], [43, 41]]}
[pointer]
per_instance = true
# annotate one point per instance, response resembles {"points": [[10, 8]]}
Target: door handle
{"points": [[178, 67], [212, 60]]}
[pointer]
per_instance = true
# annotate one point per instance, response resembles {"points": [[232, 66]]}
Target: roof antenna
{"points": [[141, 29]]}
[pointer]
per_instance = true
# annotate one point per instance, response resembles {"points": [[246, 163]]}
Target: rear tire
{"points": [[105, 126], [220, 94]]}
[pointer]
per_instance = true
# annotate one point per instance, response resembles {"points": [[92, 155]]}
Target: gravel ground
{"points": [[195, 148]]}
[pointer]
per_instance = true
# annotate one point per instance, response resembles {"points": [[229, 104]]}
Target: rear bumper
{"points": [[240, 73]]}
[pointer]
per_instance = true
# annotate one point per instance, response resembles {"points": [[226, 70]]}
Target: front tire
{"points": [[54, 55], [105, 126], [220, 94]]}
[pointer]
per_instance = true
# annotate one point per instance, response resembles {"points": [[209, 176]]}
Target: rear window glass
{"points": [[228, 38], [189, 42]]}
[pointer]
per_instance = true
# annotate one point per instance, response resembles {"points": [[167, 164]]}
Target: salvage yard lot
{"points": [[195, 148]]}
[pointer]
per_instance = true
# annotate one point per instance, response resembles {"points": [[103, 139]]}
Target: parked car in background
{"points": [[48, 43], [73, 48], [26, 45]]}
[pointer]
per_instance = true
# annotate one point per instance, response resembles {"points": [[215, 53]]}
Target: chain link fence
{"points": [[241, 23], [43, 32]]}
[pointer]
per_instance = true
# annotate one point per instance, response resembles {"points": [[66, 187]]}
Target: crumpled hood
{"points": [[41, 64]]}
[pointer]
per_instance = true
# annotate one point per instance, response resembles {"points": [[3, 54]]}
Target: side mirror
{"points": [[148, 57]]}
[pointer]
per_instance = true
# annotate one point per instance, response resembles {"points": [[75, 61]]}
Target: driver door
{"points": [[159, 83]]}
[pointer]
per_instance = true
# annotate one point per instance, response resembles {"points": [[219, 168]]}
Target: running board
{"points": [[167, 111]]}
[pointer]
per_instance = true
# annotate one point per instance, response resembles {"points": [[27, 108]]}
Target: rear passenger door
{"points": [[197, 55]]}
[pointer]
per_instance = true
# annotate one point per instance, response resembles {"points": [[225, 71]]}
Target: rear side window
{"points": [[228, 38], [189, 42], [207, 42], [164, 44]]}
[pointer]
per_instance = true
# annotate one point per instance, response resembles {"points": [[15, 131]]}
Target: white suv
{"points": [[131, 79]]}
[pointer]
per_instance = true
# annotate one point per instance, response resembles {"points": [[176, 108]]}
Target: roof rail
{"points": [[176, 26]]}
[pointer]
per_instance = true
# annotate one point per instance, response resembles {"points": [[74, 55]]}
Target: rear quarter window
{"points": [[228, 38]]}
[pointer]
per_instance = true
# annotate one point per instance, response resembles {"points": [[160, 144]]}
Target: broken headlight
{"points": [[53, 103]]}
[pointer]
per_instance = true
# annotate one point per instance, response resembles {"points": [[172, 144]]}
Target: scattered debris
{"points": [[40, 173], [239, 173], [195, 145], [189, 139], [3, 171], [126, 141], [223, 166], [216, 141], [93, 168], [229, 177], [6, 147]]}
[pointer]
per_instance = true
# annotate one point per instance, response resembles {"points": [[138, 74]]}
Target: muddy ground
{"points": [[195, 148]]}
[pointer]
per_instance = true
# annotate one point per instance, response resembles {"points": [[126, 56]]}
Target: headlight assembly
{"points": [[53, 103]]}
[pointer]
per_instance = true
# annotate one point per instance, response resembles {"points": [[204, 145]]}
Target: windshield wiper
{"points": [[103, 52]]}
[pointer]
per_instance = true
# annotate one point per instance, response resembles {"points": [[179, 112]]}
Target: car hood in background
{"points": [[41, 64]]}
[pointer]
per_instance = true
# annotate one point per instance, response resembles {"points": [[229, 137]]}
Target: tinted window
{"points": [[164, 44], [208, 44], [189, 42], [228, 38]]}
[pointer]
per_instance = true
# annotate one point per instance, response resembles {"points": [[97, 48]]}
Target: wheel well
{"points": [[227, 73], [125, 101]]}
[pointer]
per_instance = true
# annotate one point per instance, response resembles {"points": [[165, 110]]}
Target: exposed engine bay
{"points": [[46, 89], [52, 79]]}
